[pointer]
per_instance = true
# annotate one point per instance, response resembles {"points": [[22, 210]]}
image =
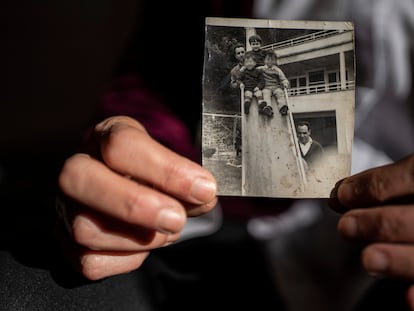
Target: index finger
{"points": [[129, 150], [376, 186]]}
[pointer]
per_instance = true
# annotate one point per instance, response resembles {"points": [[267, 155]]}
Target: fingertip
{"points": [[375, 261], [203, 190], [170, 221], [96, 266], [348, 227]]}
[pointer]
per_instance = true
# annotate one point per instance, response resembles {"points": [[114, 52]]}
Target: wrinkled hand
{"points": [[379, 208], [127, 197]]}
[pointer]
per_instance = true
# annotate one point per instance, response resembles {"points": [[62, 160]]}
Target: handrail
{"points": [[302, 39], [295, 144], [314, 88]]}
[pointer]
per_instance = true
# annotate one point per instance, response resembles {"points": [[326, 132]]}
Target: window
{"points": [[316, 81], [297, 85], [302, 85], [333, 81]]}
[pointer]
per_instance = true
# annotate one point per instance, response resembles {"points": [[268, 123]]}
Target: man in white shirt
{"points": [[310, 149]]}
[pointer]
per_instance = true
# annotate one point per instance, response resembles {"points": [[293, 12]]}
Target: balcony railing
{"points": [[302, 39], [314, 88]]}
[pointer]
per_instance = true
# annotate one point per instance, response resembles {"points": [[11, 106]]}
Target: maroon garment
{"points": [[128, 95], [251, 79]]}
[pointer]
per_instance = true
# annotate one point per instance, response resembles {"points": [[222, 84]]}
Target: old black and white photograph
{"points": [[278, 106]]}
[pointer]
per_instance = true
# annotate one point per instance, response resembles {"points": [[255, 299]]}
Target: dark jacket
{"points": [[251, 79]]}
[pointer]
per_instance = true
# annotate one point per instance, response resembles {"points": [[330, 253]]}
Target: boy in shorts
{"points": [[251, 80], [275, 82]]}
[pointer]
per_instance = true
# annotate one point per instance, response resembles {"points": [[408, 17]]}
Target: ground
{"points": [[228, 176]]}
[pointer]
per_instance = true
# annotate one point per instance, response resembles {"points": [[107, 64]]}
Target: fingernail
{"points": [[348, 226], [376, 262], [170, 221], [203, 190]]}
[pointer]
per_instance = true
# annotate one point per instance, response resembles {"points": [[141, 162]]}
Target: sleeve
{"points": [[128, 95], [282, 77], [235, 77]]}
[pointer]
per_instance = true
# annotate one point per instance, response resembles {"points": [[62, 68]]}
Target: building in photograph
{"points": [[320, 67]]}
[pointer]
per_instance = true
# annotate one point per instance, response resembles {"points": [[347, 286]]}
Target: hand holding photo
{"points": [[278, 106]]}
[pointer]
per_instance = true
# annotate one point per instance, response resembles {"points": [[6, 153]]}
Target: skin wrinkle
{"points": [[377, 188], [380, 189], [95, 235], [388, 228], [172, 169], [383, 223], [132, 203]]}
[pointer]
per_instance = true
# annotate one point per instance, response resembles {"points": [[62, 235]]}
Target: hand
{"points": [[379, 208], [241, 86], [285, 84], [129, 195]]}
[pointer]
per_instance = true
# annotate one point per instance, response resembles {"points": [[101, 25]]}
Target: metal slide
{"points": [[271, 161]]}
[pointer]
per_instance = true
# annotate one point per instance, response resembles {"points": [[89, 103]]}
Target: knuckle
{"points": [[389, 229], [131, 210], [116, 142], [173, 169], [377, 187], [112, 143], [391, 226]]}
